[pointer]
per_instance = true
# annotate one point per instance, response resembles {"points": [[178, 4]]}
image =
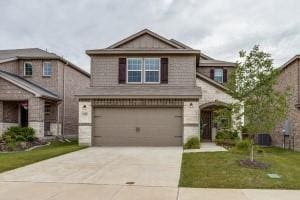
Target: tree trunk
{"points": [[252, 150]]}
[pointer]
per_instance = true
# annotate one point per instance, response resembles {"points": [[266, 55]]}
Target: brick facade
{"points": [[64, 80], [289, 78]]}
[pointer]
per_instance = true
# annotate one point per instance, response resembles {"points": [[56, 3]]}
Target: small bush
{"points": [[11, 146], [192, 143], [243, 145], [17, 133], [20, 138], [225, 142], [227, 134]]}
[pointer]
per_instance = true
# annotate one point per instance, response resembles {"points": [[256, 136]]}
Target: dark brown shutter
{"points": [[164, 70], [122, 70], [225, 75], [212, 74]]}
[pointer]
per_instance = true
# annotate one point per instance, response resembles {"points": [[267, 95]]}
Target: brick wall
{"points": [[12, 92], [36, 109], [50, 83], [74, 81], [11, 67], [289, 79], [10, 112]]}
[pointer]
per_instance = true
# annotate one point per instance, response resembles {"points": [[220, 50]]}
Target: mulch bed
{"points": [[253, 164], [20, 146]]}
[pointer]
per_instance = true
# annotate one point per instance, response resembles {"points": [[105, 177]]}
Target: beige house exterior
{"points": [[147, 90], [34, 88], [287, 133]]}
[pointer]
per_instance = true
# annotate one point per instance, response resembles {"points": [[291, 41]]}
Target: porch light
{"points": [[84, 110], [191, 105]]}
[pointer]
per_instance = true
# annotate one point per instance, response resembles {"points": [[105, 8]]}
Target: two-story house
{"points": [[37, 89], [287, 133], [147, 90]]}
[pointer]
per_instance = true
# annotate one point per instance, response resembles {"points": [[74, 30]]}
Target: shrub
{"points": [[243, 145], [17, 133], [225, 142], [20, 138], [227, 134], [11, 146], [192, 143]]}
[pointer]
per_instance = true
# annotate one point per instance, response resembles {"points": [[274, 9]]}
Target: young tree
{"points": [[252, 84]]}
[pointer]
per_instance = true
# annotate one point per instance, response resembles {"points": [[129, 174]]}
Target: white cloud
{"points": [[217, 27]]}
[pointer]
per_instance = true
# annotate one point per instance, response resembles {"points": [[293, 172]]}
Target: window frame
{"points": [[48, 62], [143, 70], [24, 68], [222, 70], [47, 106], [127, 59], [159, 71]]}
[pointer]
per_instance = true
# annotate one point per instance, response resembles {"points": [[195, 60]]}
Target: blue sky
{"points": [[219, 28]]}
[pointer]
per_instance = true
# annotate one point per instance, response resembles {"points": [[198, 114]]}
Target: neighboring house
{"points": [[147, 90], [287, 133], [37, 89]]}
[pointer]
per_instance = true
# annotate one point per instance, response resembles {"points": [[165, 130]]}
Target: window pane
{"points": [[134, 76], [134, 64], [151, 64], [47, 69], [219, 75], [152, 76], [28, 69]]}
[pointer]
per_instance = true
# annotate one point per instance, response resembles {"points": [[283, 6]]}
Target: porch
{"points": [[40, 114], [208, 125]]}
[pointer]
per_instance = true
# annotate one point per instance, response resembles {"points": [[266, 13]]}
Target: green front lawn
{"points": [[221, 170], [10, 161]]}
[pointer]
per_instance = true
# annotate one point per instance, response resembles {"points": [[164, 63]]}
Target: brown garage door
{"points": [[137, 127]]}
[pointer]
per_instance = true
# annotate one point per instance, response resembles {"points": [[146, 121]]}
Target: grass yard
{"points": [[9, 161], [221, 170]]}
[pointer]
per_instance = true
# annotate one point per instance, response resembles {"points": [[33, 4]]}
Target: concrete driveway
{"points": [[102, 173], [98, 172]]}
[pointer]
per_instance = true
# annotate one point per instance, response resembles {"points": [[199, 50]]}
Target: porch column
{"points": [[85, 123], [1, 117], [190, 120], [36, 115]]}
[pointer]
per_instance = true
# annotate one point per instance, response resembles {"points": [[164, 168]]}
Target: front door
{"points": [[24, 116], [206, 117]]}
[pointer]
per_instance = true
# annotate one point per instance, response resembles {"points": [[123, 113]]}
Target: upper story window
{"points": [[47, 69], [152, 70], [145, 70], [27, 69], [218, 76], [134, 70]]}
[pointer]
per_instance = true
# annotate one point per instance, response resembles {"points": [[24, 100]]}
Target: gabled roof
{"points": [[289, 62], [142, 32], [211, 81], [35, 53], [175, 47], [181, 44], [28, 86]]}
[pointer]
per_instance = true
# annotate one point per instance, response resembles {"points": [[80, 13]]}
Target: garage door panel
{"points": [[137, 127]]}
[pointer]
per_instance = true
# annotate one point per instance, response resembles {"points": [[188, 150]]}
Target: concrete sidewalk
{"points": [[206, 147], [70, 191], [237, 194]]}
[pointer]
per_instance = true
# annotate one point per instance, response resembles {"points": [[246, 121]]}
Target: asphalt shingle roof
{"points": [[28, 86]]}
